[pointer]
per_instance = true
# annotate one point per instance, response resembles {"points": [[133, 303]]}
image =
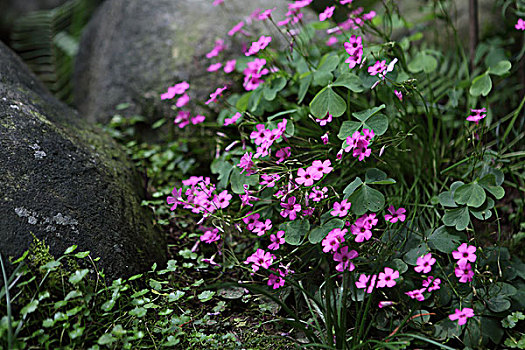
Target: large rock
{"points": [[66, 182], [133, 49]]}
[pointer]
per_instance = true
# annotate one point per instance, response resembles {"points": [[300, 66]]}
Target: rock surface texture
{"points": [[66, 182], [132, 50]]}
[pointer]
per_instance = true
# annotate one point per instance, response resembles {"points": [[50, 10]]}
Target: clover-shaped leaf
{"points": [[327, 101]]}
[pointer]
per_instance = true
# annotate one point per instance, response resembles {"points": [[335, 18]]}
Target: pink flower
{"points": [[282, 154], [265, 14], [214, 67], [251, 220], [210, 236], [219, 46], [367, 282], [331, 41], [383, 304], [333, 239], [424, 263], [370, 220], [253, 73], [269, 179], [520, 25], [236, 28], [324, 138], [229, 66], [217, 2], [262, 227], [233, 119], [323, 166], [464, 254], [177, 89], [387, 278], [176, 199], [377, 68], [182, 101], [291, 208], [343, 256], [462, 315], [259, 45], [299, 4], [304, 177], [354, 48], [416, 294], [399, 95], [222, 200], [261, 134], [260, 259], [317, 194], [344, 2], [246, 163], [341, 209], [246, 198], [277, 240], [182, 119], [395, 215], [198, 119], [327, 119], [464, 272], [217, 93], [434, 281], [477, 115], [327, 13], [276, 281], [360, 230]]}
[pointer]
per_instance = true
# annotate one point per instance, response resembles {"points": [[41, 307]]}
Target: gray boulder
{"points": [[67, 182], [132, 50]]}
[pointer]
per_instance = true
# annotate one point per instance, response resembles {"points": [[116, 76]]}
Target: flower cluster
{"points": [[315, 172], [253, 74], [358, 143], [387, 278], [362, 227], [264, 138], [354, 48], [464, 256]]}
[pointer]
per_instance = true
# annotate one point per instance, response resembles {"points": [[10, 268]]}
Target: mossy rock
{"points": [[133, 50], [67, 182]]}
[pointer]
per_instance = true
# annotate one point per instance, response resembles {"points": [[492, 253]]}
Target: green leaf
{"points": [[106, 339], [378, 123], [70, 249], [498, 304], [458, 217], [290, 111], [238, 180], [350, 81], [29, 308], [205, 296], [322, 78], [422, 62], [441, 240], [328, 63], [78, 276], [295, 231], [488, 182], [366, 199], [320, 232], [304, 85], [270, 91], [492, 328], [172, 297], [82, 255], [327, 101], [446, 199], [481, 85], [399, 265], [347, 129], [411, 256], [375, 176], [472, 194], [483, 212], [367, 113], [352, 187], [501, 68], [138, 311], [242, 103]]}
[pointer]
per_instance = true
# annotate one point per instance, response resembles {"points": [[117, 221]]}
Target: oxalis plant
{"points": [[355, 179]]}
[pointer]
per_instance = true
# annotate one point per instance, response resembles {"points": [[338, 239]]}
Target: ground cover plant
{"points": [[366, 191]]}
